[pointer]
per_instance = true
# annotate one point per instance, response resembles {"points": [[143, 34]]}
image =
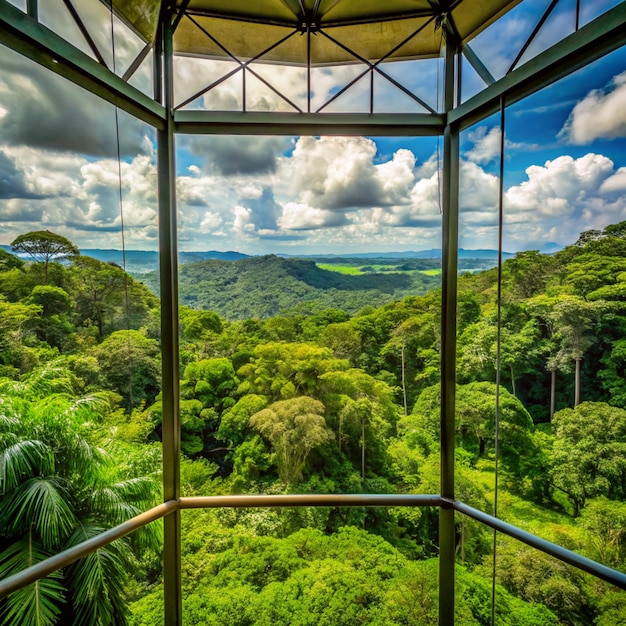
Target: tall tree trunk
{"points": [[363, 449], [577, 382], [512, 380], [340, 429], [404, 382], [552, 392]]}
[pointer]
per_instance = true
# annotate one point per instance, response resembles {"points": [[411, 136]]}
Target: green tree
{"points": [[476, 357], [589, 453], [404, 353], [128, 365], [577, 320], [569, 322], [356, 398], [44, 246], [199, 325], [9, 261], [235, 420], [613, 376], [475, 422], [605, 523], [100, 290], [478, 348], [589, 273], [284, 370], [17, 322], [343, 339], [107, 297], [54, 327], [212, 381], [615, 230], [294, 427], [540, 579], [56, 490], [528, 273]]}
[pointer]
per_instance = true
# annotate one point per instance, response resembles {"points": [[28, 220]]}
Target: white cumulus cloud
{"points": [[211, 222], [562, 198], [601, 114], [298, 216]]}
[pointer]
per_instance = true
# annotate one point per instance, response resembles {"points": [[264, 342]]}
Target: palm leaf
{"points": [[21, 458], [8, 422], [90, 405], [38, 604], [54, 424], [11, 388], [119, 502], [97, 581], [51, 407], [38, 503], [52, 378]]}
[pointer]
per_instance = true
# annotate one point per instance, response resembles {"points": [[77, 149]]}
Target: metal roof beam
{"points": [[595, 40], [272, 123], [25, 35]]}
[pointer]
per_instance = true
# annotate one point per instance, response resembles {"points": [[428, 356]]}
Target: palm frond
{"points": [[8, 416], [52, 406], [97, 581], [74, 453], [93, 404], [21, 458], [38, 503], [123, 500], [52, 378], [110, 506], [12, 388], [141, 489], [38, 604]]}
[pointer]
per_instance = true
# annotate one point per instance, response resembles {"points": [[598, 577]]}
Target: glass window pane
{"points": [[79, 334]]}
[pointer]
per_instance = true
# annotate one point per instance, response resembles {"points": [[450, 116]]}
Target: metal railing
{"points": [[62, 559]]}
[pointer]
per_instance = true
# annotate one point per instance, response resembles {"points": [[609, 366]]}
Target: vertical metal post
{"points": [[450, 236], [32, 8], [308, 70], [168, 266]]}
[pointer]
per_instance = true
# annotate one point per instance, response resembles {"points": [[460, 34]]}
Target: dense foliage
{"points": [[265, 286], [333, 395]]}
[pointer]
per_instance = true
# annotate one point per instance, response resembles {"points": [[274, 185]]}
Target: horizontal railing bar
{"points": [[608, 574], [63, 559], [325, 499], [58, 561]]}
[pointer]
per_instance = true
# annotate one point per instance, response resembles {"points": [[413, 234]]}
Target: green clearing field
{"points": [[342, 269], [352, 270]]}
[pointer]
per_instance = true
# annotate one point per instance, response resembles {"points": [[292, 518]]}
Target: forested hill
{"points": [[261, 287]]}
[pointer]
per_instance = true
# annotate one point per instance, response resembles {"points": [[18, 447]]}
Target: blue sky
{"points": [[565, 157]]}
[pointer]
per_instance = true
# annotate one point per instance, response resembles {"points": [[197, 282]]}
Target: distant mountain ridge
{"points": [[150, 257], [143, 261], [433, 253]]}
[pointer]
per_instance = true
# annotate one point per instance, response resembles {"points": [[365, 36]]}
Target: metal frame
{"points": [[168, 266], [22, 32], [25, 35], [450, 254], [310, 27], [171, 507]]}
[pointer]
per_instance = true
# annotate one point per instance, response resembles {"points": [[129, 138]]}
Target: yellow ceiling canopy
{"points": [[343, 30]]}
